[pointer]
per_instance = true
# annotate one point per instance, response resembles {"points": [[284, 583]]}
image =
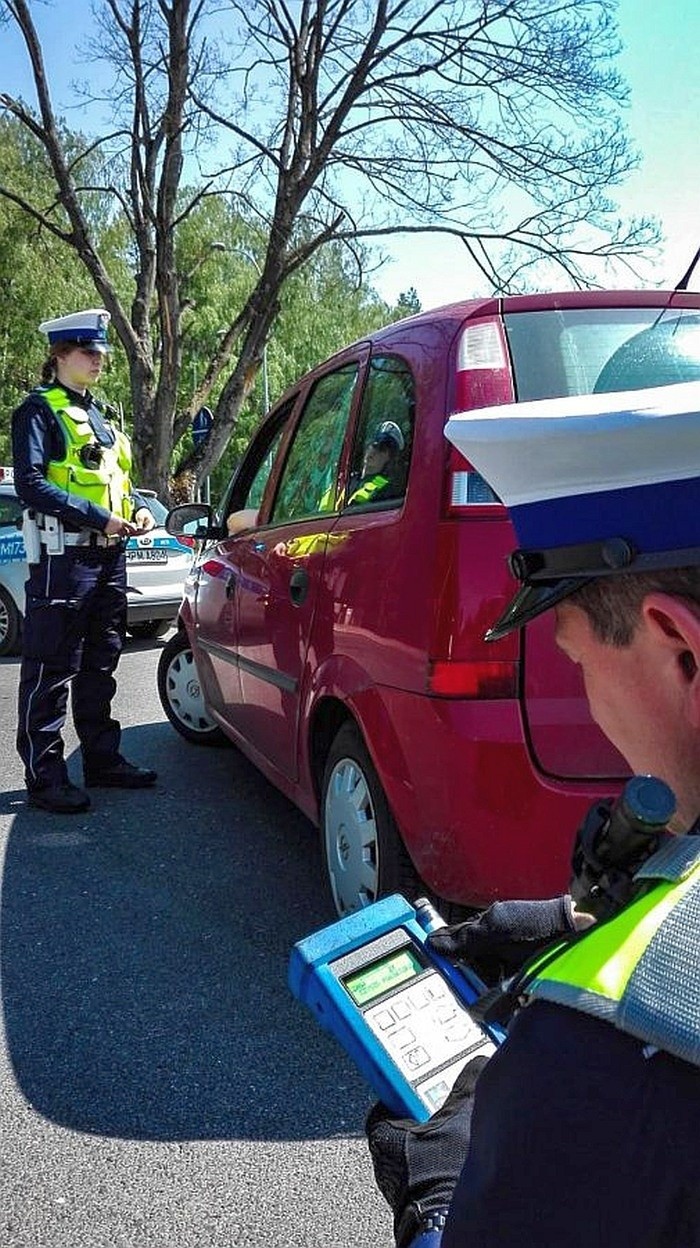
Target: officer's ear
{"points": [[674, 625]]}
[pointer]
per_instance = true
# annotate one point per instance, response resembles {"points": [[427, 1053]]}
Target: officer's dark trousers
{"points": [[580, 1141], [75, 619]]}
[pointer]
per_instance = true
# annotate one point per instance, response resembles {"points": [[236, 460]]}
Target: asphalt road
{"points": [[158, 1084]]}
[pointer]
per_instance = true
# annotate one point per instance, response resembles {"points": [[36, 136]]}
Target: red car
{"points": [[338, 639]]}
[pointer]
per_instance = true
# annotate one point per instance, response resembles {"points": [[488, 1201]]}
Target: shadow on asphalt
{"points": [[144, 958]]}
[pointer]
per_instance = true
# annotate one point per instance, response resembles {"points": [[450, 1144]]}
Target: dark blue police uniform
{"points": [[615, 1123], [75, 618]]}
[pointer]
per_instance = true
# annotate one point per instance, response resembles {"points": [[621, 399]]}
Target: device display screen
{"points": [[383, 975]]}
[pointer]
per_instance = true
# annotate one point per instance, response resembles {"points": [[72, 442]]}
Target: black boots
{"points": [[118, 774], [61, 799]]}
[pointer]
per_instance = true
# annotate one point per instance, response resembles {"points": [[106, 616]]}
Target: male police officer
{"points": [[586, 1122], [72, 474]]}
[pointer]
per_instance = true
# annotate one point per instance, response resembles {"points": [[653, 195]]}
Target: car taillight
{"points": [[483, 379], [483, 367], [479, 678], [189, 542], [467, 493]]}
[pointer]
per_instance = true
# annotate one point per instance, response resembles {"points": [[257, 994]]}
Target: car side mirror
{"points": [[193, 520]]}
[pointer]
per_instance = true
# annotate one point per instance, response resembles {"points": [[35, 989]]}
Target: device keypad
{"points": [[429, 1035]]}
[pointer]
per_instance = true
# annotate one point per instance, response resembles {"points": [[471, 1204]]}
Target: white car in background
{"points": [[156, 566]]}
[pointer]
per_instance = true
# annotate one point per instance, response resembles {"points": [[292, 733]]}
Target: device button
{"points": [[402, 1037], [384, 1019], [445, 1012], [415, 1058], [457, 1031], [420, 998]]}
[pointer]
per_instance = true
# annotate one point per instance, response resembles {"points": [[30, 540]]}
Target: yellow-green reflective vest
{"points": [[108, 485], [366, 491], [640, 970]]}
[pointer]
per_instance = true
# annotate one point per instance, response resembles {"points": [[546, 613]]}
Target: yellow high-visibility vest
{"points": [[109, 484], [639, 970]]}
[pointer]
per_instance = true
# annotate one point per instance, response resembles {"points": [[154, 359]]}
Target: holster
{"points": [[52, 535], [31, 536]]}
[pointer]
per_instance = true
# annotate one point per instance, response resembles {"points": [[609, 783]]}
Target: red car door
{"points": [[215, 601], [278, 572], [215, 627]]}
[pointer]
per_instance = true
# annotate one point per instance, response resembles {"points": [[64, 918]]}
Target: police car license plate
{"points": [[146, 555]]}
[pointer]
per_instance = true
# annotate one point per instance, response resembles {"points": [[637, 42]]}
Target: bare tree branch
{"points": [[494, 122]]}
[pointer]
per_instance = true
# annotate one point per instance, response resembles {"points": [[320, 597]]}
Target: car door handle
{"points": [[231, 586], [298, 586]]}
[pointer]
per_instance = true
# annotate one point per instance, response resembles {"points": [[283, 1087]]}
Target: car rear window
{"points": [[597, 350]]}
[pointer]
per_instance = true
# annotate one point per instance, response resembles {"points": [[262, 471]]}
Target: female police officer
{"points": [[72, 474], [585, 1122]]}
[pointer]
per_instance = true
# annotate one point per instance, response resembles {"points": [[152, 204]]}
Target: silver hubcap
{"points": [[184, 693], [350, 830]]}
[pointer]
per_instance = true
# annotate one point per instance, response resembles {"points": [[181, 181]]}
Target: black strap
{"points": [[416, 1221], [103, 432]]}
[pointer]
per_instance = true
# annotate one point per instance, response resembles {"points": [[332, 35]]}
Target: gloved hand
{"points": [[500, 940], [416, 1165]]}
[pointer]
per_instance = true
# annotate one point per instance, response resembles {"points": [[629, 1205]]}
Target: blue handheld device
{"points": [[399, 1009]]}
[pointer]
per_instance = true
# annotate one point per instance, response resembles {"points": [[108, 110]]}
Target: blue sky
{"points": [[660, 63]]}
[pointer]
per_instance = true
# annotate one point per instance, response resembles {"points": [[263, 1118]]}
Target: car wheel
{"points": [[143, 630], [10, 623], [181, 695], [364, 855]]}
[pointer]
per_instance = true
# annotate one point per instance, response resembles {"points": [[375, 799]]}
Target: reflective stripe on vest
{"points": [[366, 491], [640, 970], [108, 485]]}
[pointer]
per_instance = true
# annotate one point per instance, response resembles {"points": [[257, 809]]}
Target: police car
{"points": [[156, 565]]}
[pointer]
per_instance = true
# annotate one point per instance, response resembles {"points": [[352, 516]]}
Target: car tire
{"points": [[363, 853], [181, 695], [10, 624], [144, 630]]}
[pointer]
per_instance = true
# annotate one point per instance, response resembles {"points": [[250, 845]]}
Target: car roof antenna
{"points": [[683, 284]]}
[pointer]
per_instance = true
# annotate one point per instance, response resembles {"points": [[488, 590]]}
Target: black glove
{"points": [[416, 1165], [500, 940]]}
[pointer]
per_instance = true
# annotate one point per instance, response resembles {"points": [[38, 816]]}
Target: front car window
{"points": [[247, 487], [255, 493], [309, 477], [599, 350]]}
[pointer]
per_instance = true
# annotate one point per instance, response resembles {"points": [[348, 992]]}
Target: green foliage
{"points": [[325, 307], [40, 276], [408, 302]]}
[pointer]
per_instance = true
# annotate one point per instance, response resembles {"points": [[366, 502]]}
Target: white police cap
{"points": [[595, 485], [87, 329], [389, 432]]}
